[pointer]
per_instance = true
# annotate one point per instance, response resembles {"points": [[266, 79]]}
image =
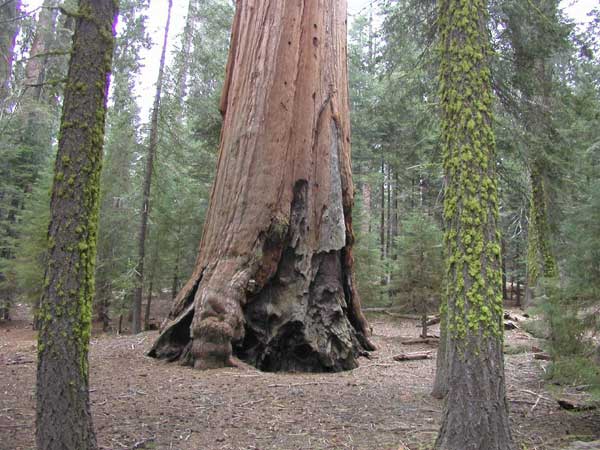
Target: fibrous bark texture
{"points": [[440, 382], [476, 411], [273, 283], [63, 411]]}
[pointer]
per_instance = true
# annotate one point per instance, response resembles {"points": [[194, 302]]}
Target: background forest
{"points": [[546, 74]]}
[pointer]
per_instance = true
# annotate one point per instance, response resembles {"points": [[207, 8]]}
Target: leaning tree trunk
{"points": [[476, 410], [64, 420], [273, 282]]}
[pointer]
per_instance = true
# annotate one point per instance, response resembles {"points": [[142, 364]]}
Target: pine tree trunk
{"points": [[366, 203], [63, 409], [382, 215], [153, 266], [136, 323], [148, 304], [504, 278], [273, 282], [533, 77], [475, 413], [440, 382]]}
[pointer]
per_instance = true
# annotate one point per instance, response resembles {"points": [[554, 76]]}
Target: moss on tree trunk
{"points": [[476, 411], [63, 410]]}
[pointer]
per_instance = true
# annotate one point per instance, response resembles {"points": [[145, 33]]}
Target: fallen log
{"points": [[403, 316], [434, 321], [412, 356], [542, 356], [574, 405], [384, 309], [508, 325], [430, 340], [431, 320]]}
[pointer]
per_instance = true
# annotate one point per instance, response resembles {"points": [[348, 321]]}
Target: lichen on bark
{"points": [[476, 412], [63, 410]]}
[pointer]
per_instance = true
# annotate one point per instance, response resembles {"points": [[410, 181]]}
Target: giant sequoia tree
{"points": [[273, 282], [476, 413], [63, 410]]}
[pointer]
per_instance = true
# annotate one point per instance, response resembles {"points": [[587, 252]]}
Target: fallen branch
{"points": [[434, 320], [311, 383], [17, 362], [572, 405], [412, 356], [428, 340], [142, 444], [402, 316], [542, 356]]}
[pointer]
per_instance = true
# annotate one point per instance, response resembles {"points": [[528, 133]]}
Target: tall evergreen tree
{"points": [[536, 36], [116, 261], [136, 324], [63, 410], [476, 410]]}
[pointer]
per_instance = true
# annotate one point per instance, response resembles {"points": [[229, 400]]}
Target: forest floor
{"points": [[141, 403]]}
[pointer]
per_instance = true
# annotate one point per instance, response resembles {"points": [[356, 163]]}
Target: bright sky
{"points": [[576, 9]]}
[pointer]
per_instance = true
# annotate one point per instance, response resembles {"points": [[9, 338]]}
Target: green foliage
{"points": [[30, 260], [571, 308], [575, 369], [368, 264], [419, 270]]}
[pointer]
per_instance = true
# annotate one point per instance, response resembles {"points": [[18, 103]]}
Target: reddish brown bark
{"points": [[273, 282]]}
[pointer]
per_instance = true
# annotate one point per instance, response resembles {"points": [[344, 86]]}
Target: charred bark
{"points": [[273, 282], [64, 420]]}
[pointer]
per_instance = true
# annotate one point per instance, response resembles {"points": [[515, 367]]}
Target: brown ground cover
{"points": [[141, 403]]}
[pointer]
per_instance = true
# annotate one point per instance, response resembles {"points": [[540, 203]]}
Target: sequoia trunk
{"points": [[273, 282], [63, 409]]}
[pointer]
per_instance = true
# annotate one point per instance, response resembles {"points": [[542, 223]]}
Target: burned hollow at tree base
{"points": [[273, 284], [303, 319]]}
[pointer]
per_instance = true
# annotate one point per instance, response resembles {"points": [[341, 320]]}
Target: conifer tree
{"points": [[476, 410], [63, 409]]}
